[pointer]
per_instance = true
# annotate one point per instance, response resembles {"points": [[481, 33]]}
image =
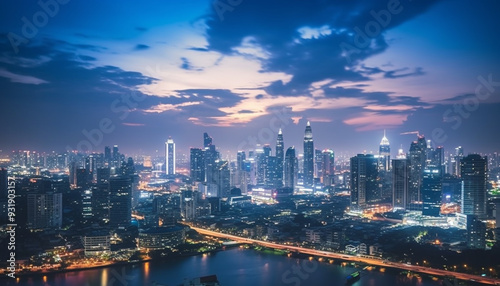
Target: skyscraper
{"points": [[120, 201], [474, 170], [364, 187], [44, 205], [308, 156], [207, 140], [222, 178], [280, 157], [170, 156], [384, 154], [197, 165], [417, 157], [400, 174], [290, 168], [328, 167], [432, 190]]}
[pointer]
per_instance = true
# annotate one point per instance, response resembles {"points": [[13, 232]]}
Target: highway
{"points": [[352, 258]]}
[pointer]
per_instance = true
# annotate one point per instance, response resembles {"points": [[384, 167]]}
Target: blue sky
{"points": [[240, 69]]}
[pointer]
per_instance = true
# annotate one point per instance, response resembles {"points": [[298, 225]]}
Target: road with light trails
{"points": [[352, 258]]}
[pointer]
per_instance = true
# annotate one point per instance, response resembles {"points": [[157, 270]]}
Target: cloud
{"points": [[397, 73], [306, 42], [169, 107], [141, 47], [26, 79]]}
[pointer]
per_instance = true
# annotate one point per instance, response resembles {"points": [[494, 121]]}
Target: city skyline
{"points": [[185, 69]]}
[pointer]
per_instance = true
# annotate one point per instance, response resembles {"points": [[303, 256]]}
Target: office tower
{"points": [[210, 155], [103, 175], [72, 173], [364, 186], [4, 184], [100, 201], [86, 194], [271, 174], [432, 190], [44, 205], [120, 201], [474, 170], [196, 162], [170, 156], [400, 174], [328, 167], [107, 156], [188, 204], [308, 157], [318, 164], [476, 233], [207, 140], [417, 156], [222, 178], [116, 158], [454, 166], [439, 158], [82, 178], [290, 168], [280, 158], [384, 152], [240, 160]]}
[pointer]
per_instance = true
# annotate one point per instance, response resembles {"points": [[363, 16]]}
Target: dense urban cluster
{"points": [[425, 207]]}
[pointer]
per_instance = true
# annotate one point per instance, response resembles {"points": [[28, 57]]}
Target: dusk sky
{"points": [[145, 70]]}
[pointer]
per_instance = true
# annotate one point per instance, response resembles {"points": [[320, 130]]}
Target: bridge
{"points": [[353, 258]]}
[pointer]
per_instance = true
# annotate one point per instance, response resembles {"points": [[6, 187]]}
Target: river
{"points": [[233, 267]]}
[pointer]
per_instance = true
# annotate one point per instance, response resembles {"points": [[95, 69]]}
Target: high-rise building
{"points": [[455, 161], [432, 187], [207, 140], [210, 155], [417, 156], [400, 174], [308, 156], [290, 168], [318, 164], [120, 201], [384, 154], [328, 167], [44, 205], [280, 158], [474, 171], [116, 157], [197, 165], [170, 157], [100, 201], [364, 186], [107, 155], [103, 175], [476, 233], [222, 178], [83, 178]]}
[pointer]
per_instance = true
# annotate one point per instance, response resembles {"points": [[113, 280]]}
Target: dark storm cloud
{"points": [[307, 59]]}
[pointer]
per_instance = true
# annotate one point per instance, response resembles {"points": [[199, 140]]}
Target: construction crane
{"points": [[411, 132]]}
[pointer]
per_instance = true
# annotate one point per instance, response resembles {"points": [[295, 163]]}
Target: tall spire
{"points": [[384, 141], [279, 132]]}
